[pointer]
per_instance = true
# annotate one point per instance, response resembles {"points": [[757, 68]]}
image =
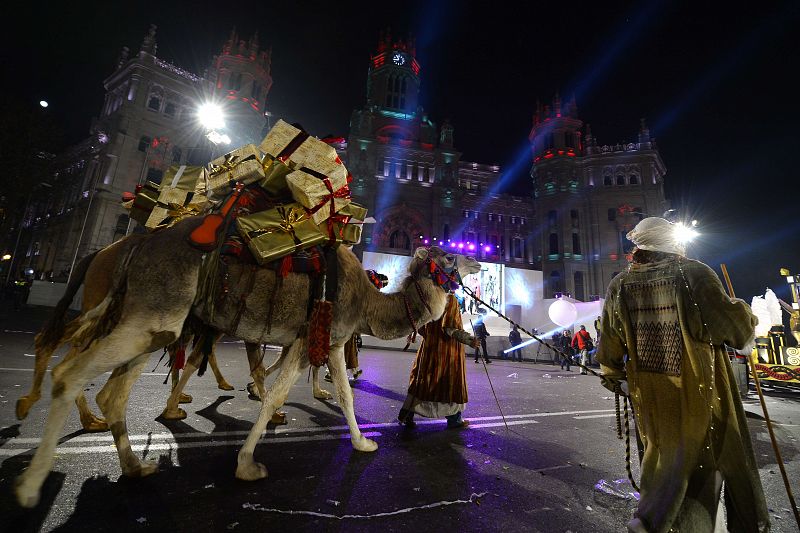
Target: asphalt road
{"points": [[540, 473]]}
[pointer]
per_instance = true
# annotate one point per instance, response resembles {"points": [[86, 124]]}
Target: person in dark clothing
{"points": [[565, 345], [481, 333], [515, 339]]}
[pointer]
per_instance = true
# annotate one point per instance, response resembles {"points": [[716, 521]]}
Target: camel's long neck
{"points": [[387, 316]]}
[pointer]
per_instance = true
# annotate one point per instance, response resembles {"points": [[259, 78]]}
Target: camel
{"points": [[135, 319], [94, 272]]}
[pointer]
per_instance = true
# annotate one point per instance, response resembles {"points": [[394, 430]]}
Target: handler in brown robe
{"points": [[438, 383], [664, 326]]}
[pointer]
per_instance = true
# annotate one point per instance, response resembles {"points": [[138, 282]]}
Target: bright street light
{"points": [[211, 116], [43, 103], [684, 234], [6, 257], [218, 138]]}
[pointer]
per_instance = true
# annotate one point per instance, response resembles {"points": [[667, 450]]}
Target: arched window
{"points": [[633, 179], [553, 244], [154, 102], [176, 155], [620, 179], [607, 181], [575, 218], [170, 109], [446, 232], [555, 281], [552, 217], [399, 239], [576, 244]]}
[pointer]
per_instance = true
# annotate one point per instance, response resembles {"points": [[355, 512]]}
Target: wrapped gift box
{"points": [[274, 181], [143, 203], [324, 193], [345, 227], [281, 140], [278, 232], [240, 165]]}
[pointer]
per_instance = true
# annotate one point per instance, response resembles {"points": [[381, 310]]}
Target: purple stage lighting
{"points": [[471, 247], [461, 245], [452, 245], [487, 248], [441, 243], [425, 241]]}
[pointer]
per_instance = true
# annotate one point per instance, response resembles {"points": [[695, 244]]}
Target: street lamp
{"points": [[43, 103]]}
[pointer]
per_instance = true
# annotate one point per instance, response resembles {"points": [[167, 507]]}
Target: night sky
{"points": [[716, 82]]}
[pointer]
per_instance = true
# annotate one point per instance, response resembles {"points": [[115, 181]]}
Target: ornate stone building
{"points": [[147, 123], [586, 198], [410, 175]]}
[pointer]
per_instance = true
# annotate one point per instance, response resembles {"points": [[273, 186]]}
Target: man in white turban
{"points": [[664, 326]]}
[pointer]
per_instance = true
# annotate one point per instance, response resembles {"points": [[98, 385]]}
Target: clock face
{"points": [[398, 58]]}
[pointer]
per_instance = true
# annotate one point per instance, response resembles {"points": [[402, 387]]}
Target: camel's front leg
{"points": [[319, 392], [172, 411], [247, 469], [113, 401], [345, 394]]}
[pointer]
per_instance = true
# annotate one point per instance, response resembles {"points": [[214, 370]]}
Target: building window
{"points": [[446, 232], [553, 244], [490, 216], [607, 181], [568, 140], [638, 212], [499, 218], [122, 225], [170, 109], [255, 91], [552, 218], [518, 247], [522, 221], [574, 218], [154, 175], [576, 244], [144, 142], [154, 103], [555, 281], [235, 81], [176, 155], [633, 179], [399, 239], [513, 220], [475, 215], [612, 214], [580, 293], [620, 179]]}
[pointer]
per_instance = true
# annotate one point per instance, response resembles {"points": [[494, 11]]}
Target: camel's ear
{"points": [[421, 253]]}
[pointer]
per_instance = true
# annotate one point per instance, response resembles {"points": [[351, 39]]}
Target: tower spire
{"points": [[149, 45]]}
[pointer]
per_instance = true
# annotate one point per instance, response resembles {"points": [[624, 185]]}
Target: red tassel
{"points": [[319, 333], [180, 357], [286, 266]]}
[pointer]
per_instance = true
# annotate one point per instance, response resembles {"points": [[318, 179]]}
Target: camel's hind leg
{"points": [[345, 394], [113, 401], [293, 363], [68, 378], [255, 358], [90, 421], [25, 403], [175, 374]]}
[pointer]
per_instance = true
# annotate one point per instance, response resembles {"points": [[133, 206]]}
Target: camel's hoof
{"points": [[94, 425], [185, 398], [278, 418], [24, 405], [250, 471], [27, 497], [177, 414], [322, 394], [143, 469], [363, 444], [224, 385]]}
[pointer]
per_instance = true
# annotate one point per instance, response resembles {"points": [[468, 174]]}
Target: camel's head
{"points": [[443, 267]]}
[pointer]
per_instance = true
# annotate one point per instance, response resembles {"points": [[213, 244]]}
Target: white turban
{"points": [[658, 235]]}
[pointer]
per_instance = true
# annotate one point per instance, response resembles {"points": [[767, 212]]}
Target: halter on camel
{"points": [[440, 277]]}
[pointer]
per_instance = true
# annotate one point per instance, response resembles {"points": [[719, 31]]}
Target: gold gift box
{"points": [[275, 173], [186, 177], [342, 233], [279, 138], [354, 211], [144, 202], [240, 165], [278, 232], [313, 193]]}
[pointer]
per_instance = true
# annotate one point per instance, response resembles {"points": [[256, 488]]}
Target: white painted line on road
{"points": [[495, 424], [3, 369], [18, 331], [165, 446], [593, 416]]}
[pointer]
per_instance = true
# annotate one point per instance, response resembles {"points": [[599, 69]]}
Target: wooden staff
{"points": [[766, 414]]}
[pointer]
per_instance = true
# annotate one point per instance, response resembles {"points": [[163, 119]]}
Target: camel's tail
{"points": [[49, 338]]}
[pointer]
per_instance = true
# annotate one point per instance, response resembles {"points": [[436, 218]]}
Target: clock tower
{"points": [[394, 76]]}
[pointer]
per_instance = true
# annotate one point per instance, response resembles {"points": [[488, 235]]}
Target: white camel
{"points": [[135, 319]]}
